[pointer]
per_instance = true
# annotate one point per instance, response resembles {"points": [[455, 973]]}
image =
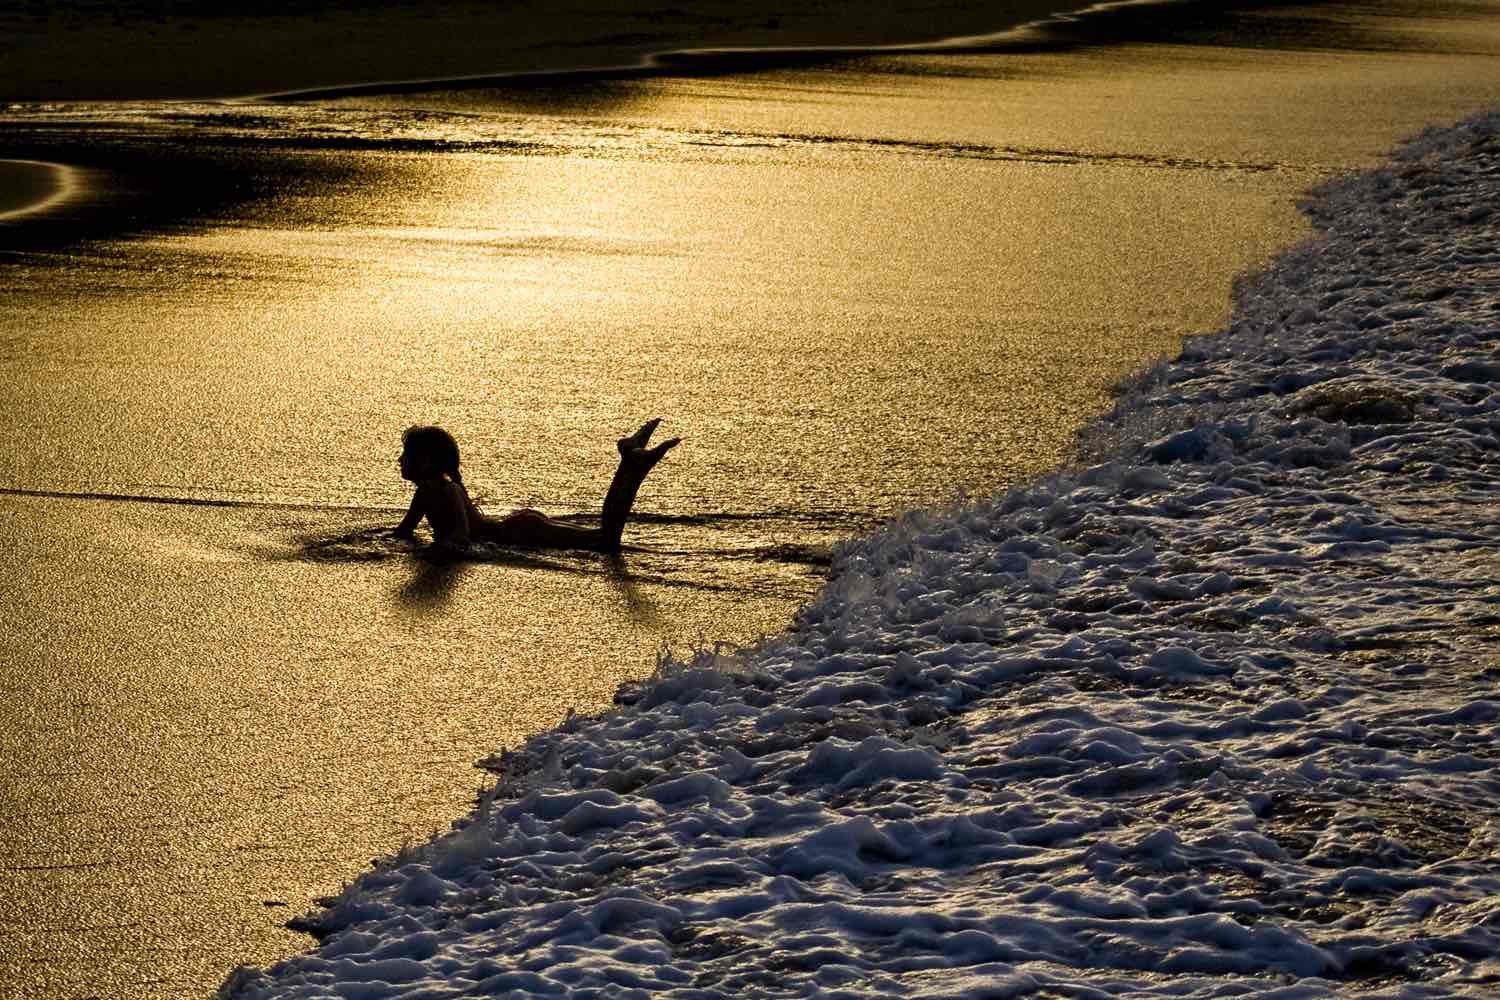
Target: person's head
{"points": [[427, 452]]}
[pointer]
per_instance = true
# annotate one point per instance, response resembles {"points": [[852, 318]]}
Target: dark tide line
{"points": [[1108, 23], [732, 140], [1016, 154], [827, 518], [178, 501], [711, 61], [678, 568]]}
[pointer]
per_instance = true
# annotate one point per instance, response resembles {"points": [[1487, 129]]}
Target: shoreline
{"points": [[1215, 704], [65, 56], [339, 558], [703, 60], [31, 187]]}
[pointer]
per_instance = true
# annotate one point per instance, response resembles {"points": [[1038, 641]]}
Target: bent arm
{"points": [[414, 515]]}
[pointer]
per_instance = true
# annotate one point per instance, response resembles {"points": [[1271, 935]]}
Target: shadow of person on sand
{"points": [[436, 574], [641, 608], [430, 587], [437, 570]]}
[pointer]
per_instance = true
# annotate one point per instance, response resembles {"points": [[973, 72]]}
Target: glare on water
{"points": [[838, 329]]}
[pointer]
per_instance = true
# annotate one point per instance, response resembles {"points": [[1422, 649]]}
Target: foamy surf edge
{"points": [[1213, 717]]}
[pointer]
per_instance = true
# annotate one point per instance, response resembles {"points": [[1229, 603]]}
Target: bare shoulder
{"points": [[440, 488]]}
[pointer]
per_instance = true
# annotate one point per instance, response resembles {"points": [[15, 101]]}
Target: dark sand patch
{"points": [[27, 186], [80, 50]]}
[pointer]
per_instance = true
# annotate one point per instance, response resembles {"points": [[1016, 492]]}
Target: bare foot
{"points": [[635, 454], [637, 441], [655, 454]]}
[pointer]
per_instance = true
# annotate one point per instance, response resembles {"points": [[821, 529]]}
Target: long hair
{"points": [[436, 444]]}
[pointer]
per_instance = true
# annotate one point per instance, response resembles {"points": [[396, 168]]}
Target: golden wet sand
{"points": [[848, 287]]}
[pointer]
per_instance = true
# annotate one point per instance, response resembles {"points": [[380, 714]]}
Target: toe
{"points": [[661, 449], [640, 437]]}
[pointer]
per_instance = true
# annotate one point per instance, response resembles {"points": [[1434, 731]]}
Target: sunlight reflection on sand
{"points": [[31, 186]]}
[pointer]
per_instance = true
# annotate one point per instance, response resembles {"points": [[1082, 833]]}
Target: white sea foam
{"points": [[1217, 716]]}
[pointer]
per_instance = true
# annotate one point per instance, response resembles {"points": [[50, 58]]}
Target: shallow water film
{"points": [[853, 287], [1211, 718]]}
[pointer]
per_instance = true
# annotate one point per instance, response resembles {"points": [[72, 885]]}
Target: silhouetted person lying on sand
{"points": [[429, 458]]}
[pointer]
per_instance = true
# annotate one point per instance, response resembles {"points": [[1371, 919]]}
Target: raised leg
{"points": [[636, 462], [533, 529]]}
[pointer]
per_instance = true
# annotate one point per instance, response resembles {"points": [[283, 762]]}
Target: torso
{"points": [[453, 516], [456, 521]]}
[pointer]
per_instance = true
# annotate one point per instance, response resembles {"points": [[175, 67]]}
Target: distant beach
{"points": [[154, 50]]}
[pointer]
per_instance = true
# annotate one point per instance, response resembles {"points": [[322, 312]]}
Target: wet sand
{"points": [[82, 51], [27, 187], [129, 860], [218, 713]]}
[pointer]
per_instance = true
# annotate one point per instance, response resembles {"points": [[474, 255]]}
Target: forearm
{"points": [[413, 518]]}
